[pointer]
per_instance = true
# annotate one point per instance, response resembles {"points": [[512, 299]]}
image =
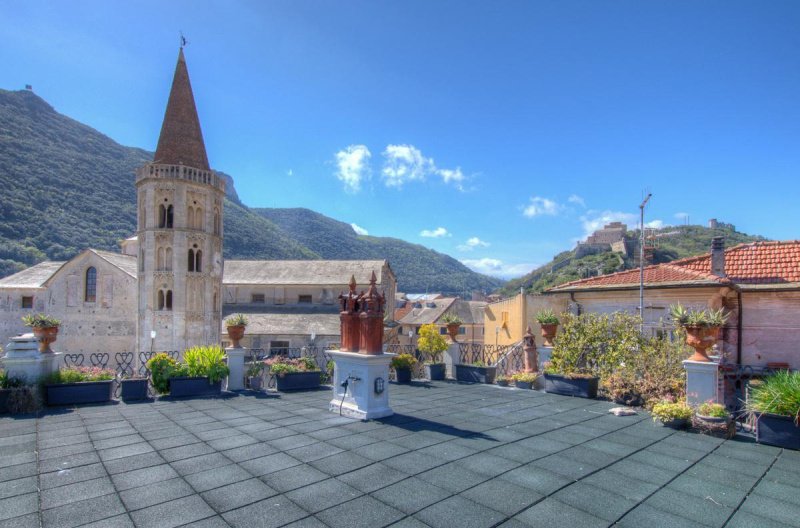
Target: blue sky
{"points": [[496, 132]]}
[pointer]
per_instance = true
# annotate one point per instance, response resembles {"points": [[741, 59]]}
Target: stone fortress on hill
{"points": [[169, 288]]}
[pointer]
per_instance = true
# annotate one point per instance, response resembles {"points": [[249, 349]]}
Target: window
{"points": [[279, 347], [169, 300], [90, 288], [162, 216], [27, 302], [443, 330], [216, 221], [169, 216], [160, 299], [198, 261], [164, 299], [304, 299], [190, 264], [462, 330], [257, 298]]}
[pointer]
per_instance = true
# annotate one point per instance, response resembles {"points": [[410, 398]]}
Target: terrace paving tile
{"points": [[470, 514], [88, 489], [30, 520], [143, 477], [238, 494], [174, 513], [411, 495], [364, 511], [156, 493], [83, 512], [269, 464], [372, 477], [502, 496], [18, 505], [556, 514], [268, 513]]}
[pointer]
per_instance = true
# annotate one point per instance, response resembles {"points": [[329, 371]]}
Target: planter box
{"points": [[580, 387], [436, 371], [186, 387], [523, 384], [83, 392], [502, 383], [780, 431], [299, 381], [676, 423], [133, 389], [4, 394], [403, 375], [473, 374]]}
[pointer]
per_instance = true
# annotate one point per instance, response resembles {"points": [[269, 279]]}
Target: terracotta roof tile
{"points": [[754, 263]]}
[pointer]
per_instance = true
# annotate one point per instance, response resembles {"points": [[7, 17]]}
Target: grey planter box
{"points": [[299, 381], [776, 430], [4, 394], [523, 385], [473, 374], [133, 389], [580, 387], [436, 371], [193, 387], [83, 392]]}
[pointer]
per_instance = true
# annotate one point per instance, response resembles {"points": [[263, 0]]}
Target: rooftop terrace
{"points": [[453, 455]]}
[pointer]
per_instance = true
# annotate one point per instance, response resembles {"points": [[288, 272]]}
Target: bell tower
{"points": [[179, 232]]}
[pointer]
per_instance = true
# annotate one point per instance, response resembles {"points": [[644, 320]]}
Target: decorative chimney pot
{"points": [[348, 316], [371, 319], [530, 354]]}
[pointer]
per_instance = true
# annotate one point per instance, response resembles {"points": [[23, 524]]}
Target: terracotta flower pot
{"points": [[549, 333], [236, 333], [701, 338], [46, 336], [452, 329]]}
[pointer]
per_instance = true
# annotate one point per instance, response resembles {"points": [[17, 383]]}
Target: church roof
{"points": [[181, 140], [126, 263], [292, 324], [33, 277], [316, 272]]}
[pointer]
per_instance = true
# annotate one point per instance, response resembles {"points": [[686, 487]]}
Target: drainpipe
{"points": [[739, 319], [572, 298]]}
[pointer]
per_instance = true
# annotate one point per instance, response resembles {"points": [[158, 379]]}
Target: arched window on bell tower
{"points": [[162, 216], [216, 221], [169, 216], [198, 261], [190, 217], [190, 261], [160, 299], [198, 218]]}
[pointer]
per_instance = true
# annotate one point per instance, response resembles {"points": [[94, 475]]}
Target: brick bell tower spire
{"points": [[181, 139], [180, 232]]}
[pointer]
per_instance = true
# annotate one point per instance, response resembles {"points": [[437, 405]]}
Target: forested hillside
{"points": [[66, 187]]}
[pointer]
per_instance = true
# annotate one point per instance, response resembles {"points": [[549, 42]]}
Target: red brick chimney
{"points": [[718, 256]]}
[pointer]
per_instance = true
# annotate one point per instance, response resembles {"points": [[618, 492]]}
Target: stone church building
{"points": [[167, 287]]}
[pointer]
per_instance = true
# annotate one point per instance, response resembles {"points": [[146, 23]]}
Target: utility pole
{"points": [[641, 258]]}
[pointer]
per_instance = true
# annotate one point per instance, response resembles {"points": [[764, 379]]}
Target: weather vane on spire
{"points": [[184, 42]]}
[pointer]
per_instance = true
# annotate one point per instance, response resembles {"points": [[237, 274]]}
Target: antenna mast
{"points": [[641, 257]]}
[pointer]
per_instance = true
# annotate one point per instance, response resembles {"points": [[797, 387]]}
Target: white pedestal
{"points": [[367, 395], [452, 357], [236, 366], [702, 379], [23, 360]]}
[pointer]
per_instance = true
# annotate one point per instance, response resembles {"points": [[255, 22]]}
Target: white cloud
{"points": [[359, 230], [290, 173], [406, 163], [574, 198], [473, 243], [655, 224], [498, 268], [439, 232], [541, 206], [353, 166]]}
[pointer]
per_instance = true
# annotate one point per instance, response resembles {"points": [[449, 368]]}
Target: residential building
{"points": [[430, 311], [506, 320]]}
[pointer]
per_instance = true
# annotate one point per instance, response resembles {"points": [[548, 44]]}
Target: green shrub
{"points": [[280, 366], [525, 377], [40, 320], [403, 361], [546, 317], [431, 342], [683, 317], [236, 320], [713, 410], [78, 375], [666, 411], [206, 361], [162, 368], [778, 393], [10, 382]]}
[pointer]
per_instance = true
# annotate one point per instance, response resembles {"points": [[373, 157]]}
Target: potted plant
{"points": [[402, 363], [255, 375], [571, 369], [453, 323], [432, 344], [524, 380], [73, 385], [702, 328], [294, 374], [8, 385], [477, 372], [236, 324], [714, 419], [200, 375], [502, 381], [549, 324], [775, 405], [44, 327], [133, 388], [672, 414]]}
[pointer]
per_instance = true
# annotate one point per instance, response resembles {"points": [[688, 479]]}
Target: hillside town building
{"points": [[169, 288]]}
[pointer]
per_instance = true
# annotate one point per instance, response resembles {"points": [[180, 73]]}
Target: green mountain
{"points": [[422, 268], [671, 243], [67, 187]]}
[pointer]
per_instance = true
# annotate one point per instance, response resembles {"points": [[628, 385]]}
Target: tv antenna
{"points": [[184, 42], [641, 256]]}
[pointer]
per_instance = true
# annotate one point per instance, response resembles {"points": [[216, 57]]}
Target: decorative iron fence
{"points": [[735, 384], [320, 356], [471, 353], [512, 360]]}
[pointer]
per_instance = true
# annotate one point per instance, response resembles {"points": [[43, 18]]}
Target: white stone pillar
{"points": [[236, 366], [23, 359], [702, 379], [367, 393], [452, 357]]}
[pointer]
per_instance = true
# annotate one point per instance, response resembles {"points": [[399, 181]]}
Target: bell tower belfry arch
{"points": [[180, 232]]}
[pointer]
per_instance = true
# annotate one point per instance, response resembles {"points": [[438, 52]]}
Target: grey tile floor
{"points": [[453, 456]]}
